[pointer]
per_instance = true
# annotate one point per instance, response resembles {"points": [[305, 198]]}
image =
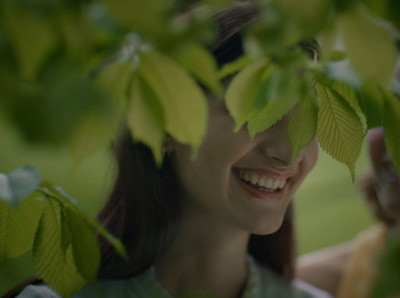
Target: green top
{"points": [[260, 284]]}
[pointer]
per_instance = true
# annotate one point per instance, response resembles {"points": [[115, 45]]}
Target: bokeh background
{"points": [[329, 208]]}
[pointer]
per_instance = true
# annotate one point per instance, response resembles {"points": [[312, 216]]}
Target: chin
{"points": [[267, 228]]}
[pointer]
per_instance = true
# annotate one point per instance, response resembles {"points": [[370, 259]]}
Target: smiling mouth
{"points": [[260, 182]]}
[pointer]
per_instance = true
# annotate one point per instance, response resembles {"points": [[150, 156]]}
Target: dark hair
{"points": [[143, 209]]}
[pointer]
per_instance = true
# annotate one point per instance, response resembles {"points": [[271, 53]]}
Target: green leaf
{"points": [[31, 35], [270, 115], [85, 246], [242, 91], [307, 13], [371, 102], [149, 18], [145, 118], [201, 63], [339, 129], [67, 201], [184, 103], [232, 68], [348, 94], [388, 283], [19, 184], [391, 124], [100, 126], [370, 48], [52, 264], [18, 227], [302, 125]]}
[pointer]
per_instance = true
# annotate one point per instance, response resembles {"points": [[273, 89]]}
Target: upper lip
{"points": [[270, 173]]}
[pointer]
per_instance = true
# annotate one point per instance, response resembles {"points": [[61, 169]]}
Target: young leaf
{"points": [[232, 68], [339, 129], [270, 115], [242, 91], [370, 47], [391, 124], [67, 201], [85, 246], [54, 265], [18, 227], [184, 103], [201, 63], [145, 118], [348, 94], [19, 184], [302, 125]]}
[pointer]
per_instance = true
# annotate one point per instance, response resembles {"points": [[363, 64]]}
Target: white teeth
{"points": [[267, 183], [282, 184]]}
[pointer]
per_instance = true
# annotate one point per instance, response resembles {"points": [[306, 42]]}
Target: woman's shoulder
{"points": [[269, 284], [324, 268], [143, 286]]}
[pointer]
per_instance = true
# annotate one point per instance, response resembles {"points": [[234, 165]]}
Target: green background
{"points": [[329, 208]]}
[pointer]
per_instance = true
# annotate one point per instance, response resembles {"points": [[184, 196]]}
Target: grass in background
{"points": [[329, 208]]}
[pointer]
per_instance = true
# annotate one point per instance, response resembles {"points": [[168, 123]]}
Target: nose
{"points": [[276, 144]]}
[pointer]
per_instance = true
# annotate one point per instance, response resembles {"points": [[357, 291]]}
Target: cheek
{"points": [[310, 156]]}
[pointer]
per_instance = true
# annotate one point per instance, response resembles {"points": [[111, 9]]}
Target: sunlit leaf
{"points": [[184, 103], [18, 185], [270, 115], [348, 94], [18, 227], [145, 118], [391, 124], [200, 62], [242, 91], [370, 47], [52, 264], [339, 129], [302, 125], [85, 246], [32, 37]]}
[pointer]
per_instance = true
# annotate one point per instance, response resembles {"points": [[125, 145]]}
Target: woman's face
{"points": [[387, 179], [245, 183]]}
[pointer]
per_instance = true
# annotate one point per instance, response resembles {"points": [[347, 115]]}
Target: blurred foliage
{"points": [[74, 71]]}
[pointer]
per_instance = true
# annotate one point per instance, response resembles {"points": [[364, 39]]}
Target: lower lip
{"points": [[257, 193]]}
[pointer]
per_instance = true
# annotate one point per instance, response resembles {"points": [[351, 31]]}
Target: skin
{"points": [[220, 210], [387, 180]]}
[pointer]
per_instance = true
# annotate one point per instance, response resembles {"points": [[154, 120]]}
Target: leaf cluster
{"points": [[42, 217]]}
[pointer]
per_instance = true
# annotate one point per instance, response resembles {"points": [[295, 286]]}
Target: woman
{"points": [[220, 224]]}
